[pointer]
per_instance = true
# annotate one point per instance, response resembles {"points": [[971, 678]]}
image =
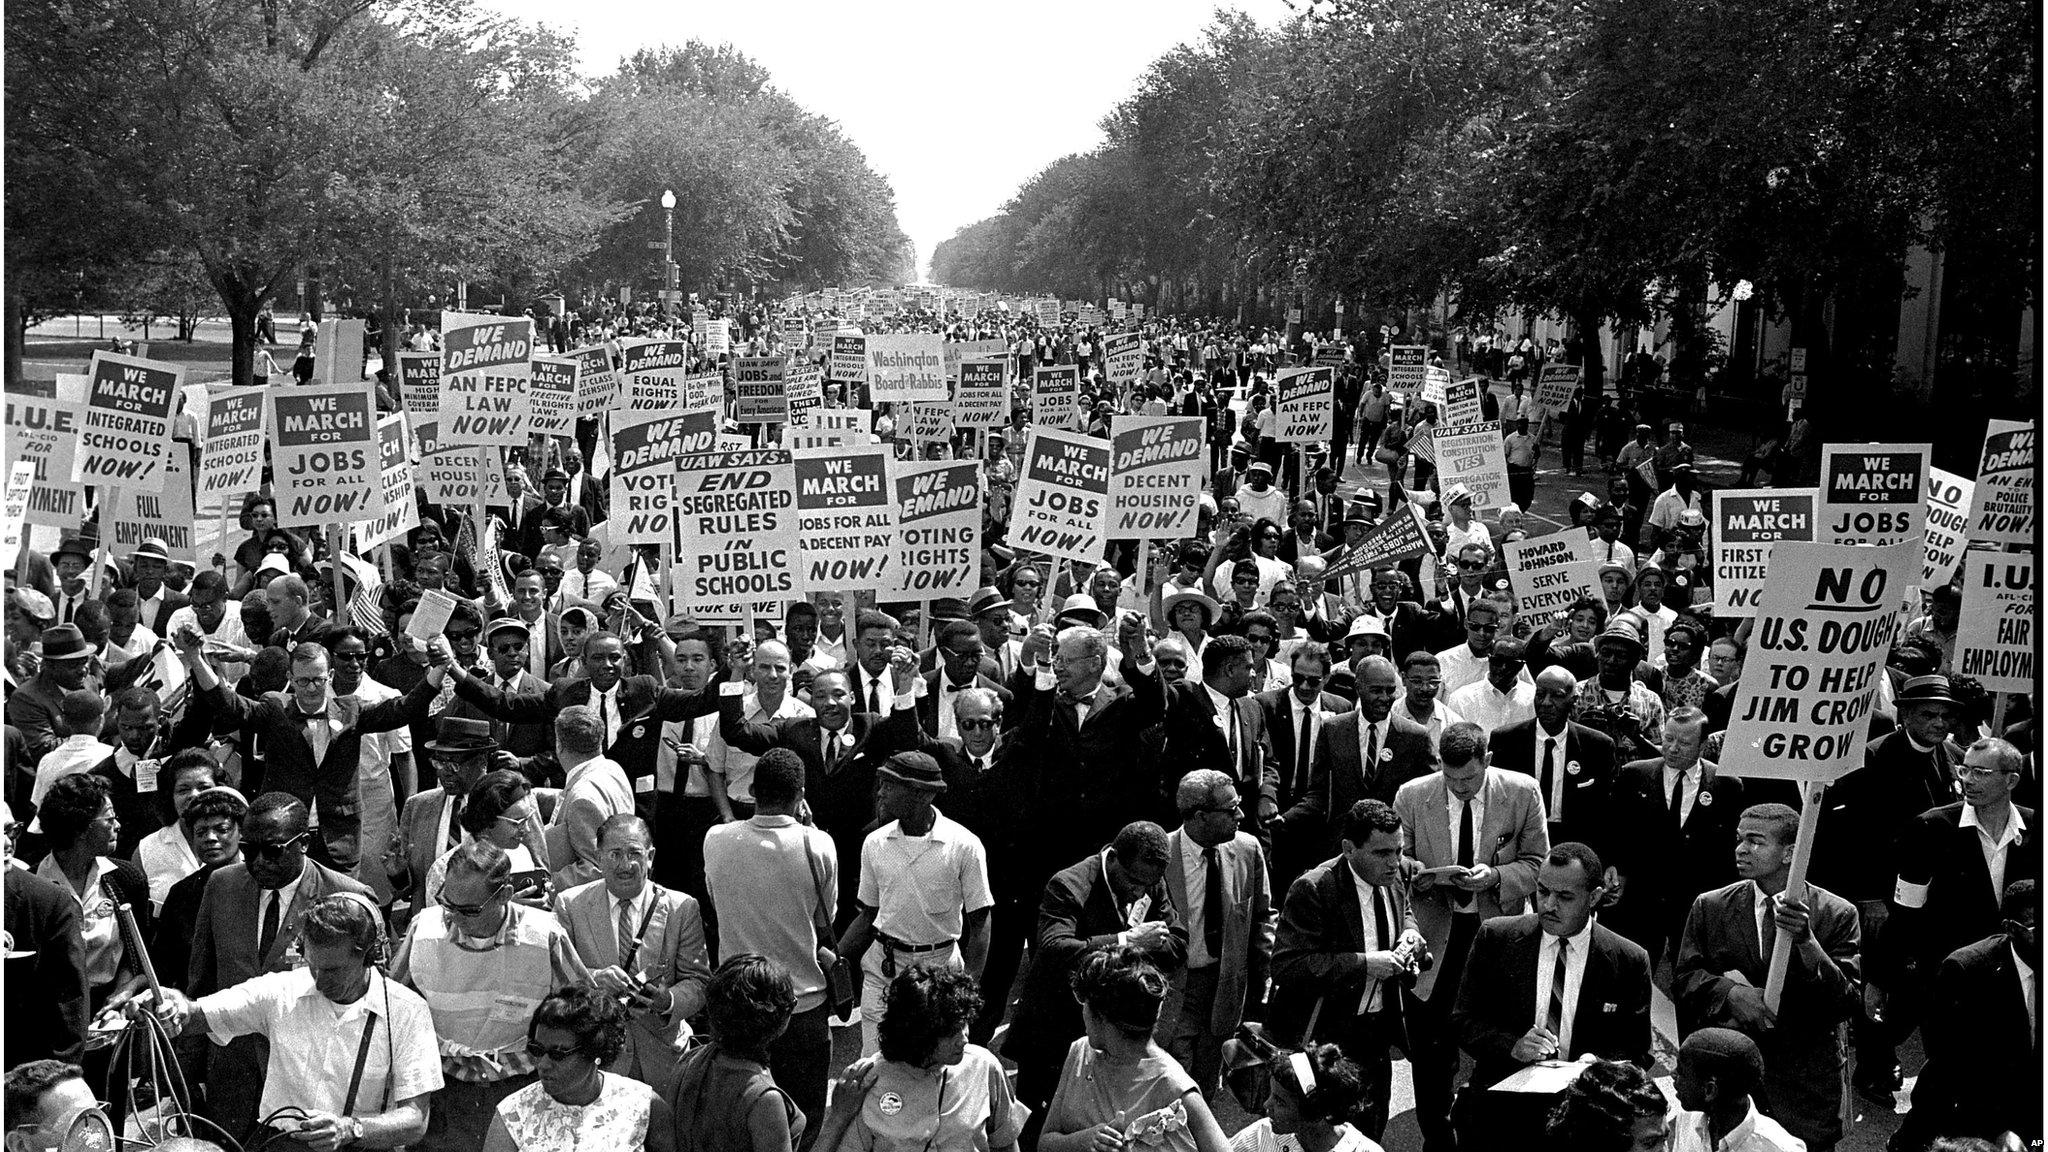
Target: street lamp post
{"points": [[668, 249]]}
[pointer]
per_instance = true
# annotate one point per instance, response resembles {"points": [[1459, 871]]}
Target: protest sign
{"points": [[163, 510], [21, 480], [847, 516], [1872, 494], [2002, 507], [127, 429], [1948, 514], [832, 428], [1461, 402], [338, 356], [1995, 636], [906, 366], [736, 531], [1056, 397], [960, 352], [1434, 381], [759, 395], [397, 510], [849, 361], [419, 384], [554, 396], [1157, 466], [435, 609], [486, 384], [1398, 537], [1123, 357], [930, 423], [645, 446], [806, 389], [1048, 312], [1554, 387], [981, 396], [598, 386], [704, 390], [653, 371], [43, 431], [461, 477], [717, 337], [1824, 624], [323, 454], [1747, 521], [1550, 573], [938, 529], [1062, 502], [1473, 455], [1307, 409]]}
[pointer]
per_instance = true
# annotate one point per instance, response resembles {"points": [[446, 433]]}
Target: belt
{"points": [[895, 945]]}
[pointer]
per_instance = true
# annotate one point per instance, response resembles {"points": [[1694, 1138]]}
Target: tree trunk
{"points": [[1595, 357], [17, 336], [393, 338]]}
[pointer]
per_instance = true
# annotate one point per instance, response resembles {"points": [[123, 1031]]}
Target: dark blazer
{"points": [[288, 764], [523, 739], [1657, 871], [46, 994], [1281, 734], [1194, 738], [1337, 778], [159, 623], [1077, 915], [928, 704], [1867, 809], [1587, 791], [1082, 778], [640, 697], [170, 946], [1318, 951], [1983, 1063], [1938, 855], [983, 801], [1613, 1016], [1412, 627], [581, 517], [525, 539]]}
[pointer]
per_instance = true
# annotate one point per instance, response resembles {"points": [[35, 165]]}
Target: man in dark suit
{"points": [[543, 628], [1412, 626], [1367, 753], [1305, 536], [1735, 930], [521, 515], [554, 487], [867, 661], [45, 966], [963, 664], [248, 925], [505, 644], [1348, 966], [1216, 878], [982, 793], [1593, 986], [293, 620], [1983, 1034], [1215, 724], [1293, 718], [1112, 894], [1572, 763], [312, 739], [841, 746], [148, 565], [582, 489], [1667, 857]]}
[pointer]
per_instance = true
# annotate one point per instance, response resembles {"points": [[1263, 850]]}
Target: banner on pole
{"points": [[1473, 455], [1405, 368], [704, 390], [1123, 357], [1872, 494], [847, 516], [2002, 508], [554, 396], [645, 447], [43, 431], [1056, 397], [1550, 573], [1555, 385], [398, 510], [981, 396], [654, 372], [849, 361], [1401, 536], [736, 531], [1995, 636], [1155, 478], [1948, 518], [1434, 381], [759, 390], [906, 366], [164, 511], [323, 454], [486, 382], [1747, 521], [938, 529], [598, 386], [1062, 502], [930, 422], [1824, 624], [419, 384], [1307, 409], [127, 430]]}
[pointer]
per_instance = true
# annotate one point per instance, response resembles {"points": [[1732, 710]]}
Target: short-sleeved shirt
{"points": [[1147, 1097], [313, 1041], [923, 887], [964, 1107]]}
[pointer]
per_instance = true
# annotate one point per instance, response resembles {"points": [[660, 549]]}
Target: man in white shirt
{"points": [[1467, 663], [832, 638], [1421, 685], [1259, 499], [1506, 695], [1718, 1071], [586, 581], [769, 671]]}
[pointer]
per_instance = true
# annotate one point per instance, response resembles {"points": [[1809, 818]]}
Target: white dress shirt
{"points": [[1195, 867], [1574, 978], [1370, 1001], [1995, 849], [284, 896], [1493, 709], [1756, 1133], [1692, 789], [1370, 733], [1453, 808], [1553, 802], [606, 701]]}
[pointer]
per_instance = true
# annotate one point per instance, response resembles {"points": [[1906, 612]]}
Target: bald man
{"points": [[1572, 764], [1364, 754]]}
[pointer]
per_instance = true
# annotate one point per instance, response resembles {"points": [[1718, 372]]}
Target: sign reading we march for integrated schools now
{"points": [[486, 386], [938, 530], [1747, 521], [323, 454], [1995, 636], [127, 432], [1407, 364], [1307, 409], [1824, 625], [736, 529], [1156, 472], [1062, 502], [847, 515]]}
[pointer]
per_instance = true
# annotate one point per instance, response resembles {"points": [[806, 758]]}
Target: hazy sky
{"points": [[956, 103]]}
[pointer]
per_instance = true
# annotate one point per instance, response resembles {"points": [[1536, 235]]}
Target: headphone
{"points": [[379, 949], [1304, 1070]]}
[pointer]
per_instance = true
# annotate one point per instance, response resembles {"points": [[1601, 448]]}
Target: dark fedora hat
{"points": [[462, 736], [914, 769], [65, 642], [986, 600]]}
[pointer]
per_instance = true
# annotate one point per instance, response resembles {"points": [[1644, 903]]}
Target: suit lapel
{"points": [[311, 888], [1176, 873], [1586, 1018]]}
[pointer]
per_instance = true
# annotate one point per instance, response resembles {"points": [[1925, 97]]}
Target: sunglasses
{"points": [[1301, 681], [472, 909], [977, 725], [1472, 565], [272, 851], [349, 657], [463, 634], [535, 1049]]}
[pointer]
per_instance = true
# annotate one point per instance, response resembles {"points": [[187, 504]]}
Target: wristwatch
{"points": [[355, 1130]]}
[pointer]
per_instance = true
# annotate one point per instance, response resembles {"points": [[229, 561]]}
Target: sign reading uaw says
{"points": [[938, 528], [736, 530], [486, 383], [1062, 503], [1155, 479], [128, 406], [323, 455]]}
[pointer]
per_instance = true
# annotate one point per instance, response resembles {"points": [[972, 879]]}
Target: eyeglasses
{"points": [[311, 681], [349, 657], [1235, 807], [272, 851], [1971, 772], [1472, 565], [1476, 626], [472, 909], [515, 818], [977, 725], [625, 855], [1301, 681], [463, 633], [535, 1049]]}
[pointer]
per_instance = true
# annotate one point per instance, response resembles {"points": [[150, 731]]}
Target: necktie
{"points": [[604, 716], [875, 696], [1549, 768], [831, 751], [1235, 760], [268, 935], [626, 941], [979, 767], [1372, 748], [1382, 925], [70, 606], [1553, 1020], [1767, 930], [1301, 751], [455, 821], [1678, 802], [1212, 904], [1465, 848]]}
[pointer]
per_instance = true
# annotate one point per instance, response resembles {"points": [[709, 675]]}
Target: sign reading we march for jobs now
{"points": [[847, 515], [1062, 501], [323, 454]]}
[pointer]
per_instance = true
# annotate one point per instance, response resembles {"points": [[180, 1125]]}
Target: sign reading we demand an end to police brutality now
{"points": [[128, 406], [486, 384], [323, 454], [1824, 625]]}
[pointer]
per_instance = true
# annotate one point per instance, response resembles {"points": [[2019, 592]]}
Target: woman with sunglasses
{"points": [[575, 1105], [501, 810], [930, 1090], [1309, 1106], [1023, 584]]}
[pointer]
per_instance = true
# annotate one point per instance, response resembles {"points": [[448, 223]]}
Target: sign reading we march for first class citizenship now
{"points": [[128, 406], [486, 386], [1747, 521]]}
